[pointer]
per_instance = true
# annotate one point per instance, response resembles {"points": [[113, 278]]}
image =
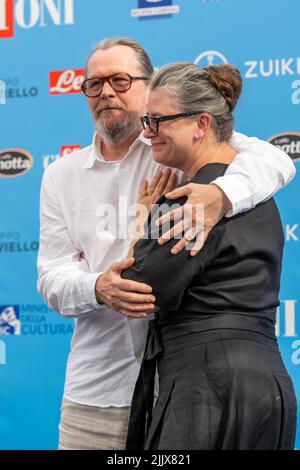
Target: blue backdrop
{"points": [[43, 47]]}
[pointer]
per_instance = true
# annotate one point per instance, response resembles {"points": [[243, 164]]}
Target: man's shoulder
{"points": [[72, 162]]}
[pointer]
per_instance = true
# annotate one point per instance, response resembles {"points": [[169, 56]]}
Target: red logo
{"points": [[6, 18], [29, 14], [64, 82], [66, 149]]}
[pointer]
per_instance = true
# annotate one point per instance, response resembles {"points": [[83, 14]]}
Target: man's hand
{"points": [[131, 298], [206, 205]]}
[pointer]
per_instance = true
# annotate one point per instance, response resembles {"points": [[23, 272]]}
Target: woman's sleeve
{"points": [[168, 275]]}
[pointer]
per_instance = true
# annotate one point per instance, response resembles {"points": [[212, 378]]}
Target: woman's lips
{"points": [[157, 145]]}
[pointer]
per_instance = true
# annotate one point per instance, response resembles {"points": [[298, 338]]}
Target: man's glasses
{"points": [[153, 122], [120, 82]]}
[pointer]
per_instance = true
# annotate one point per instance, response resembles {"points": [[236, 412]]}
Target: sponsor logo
{"points": [[12, 242], [64, 82], [2, 353], [287, 327], [290, 232], [10, 323], [64, 150], [6, 18], [289, 142], [14, 162], [29, 319], [2, 92], [67, 149], [272, 67], [296, 94], [14, 89], [34, 13], [154, 8], [207, 58]]}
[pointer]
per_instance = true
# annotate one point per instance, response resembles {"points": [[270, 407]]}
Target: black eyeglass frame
{"points": [[108, 78], [145, 119]]}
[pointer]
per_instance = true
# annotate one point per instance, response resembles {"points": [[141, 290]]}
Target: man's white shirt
{"points": [[83, 196]]}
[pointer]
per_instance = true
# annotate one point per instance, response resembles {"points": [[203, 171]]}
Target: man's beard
{"points": [[117, 131]]}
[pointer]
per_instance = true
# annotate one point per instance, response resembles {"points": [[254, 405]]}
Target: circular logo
{"points": [[14, 162], [288, 142], [207, 58]]}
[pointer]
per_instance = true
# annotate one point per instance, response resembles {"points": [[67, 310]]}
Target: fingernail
{"points": [[174, 251]]}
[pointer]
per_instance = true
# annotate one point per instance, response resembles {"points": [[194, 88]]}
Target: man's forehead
{"points": [[115, 59]]}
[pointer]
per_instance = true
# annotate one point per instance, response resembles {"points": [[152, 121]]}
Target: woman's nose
{"points": [[147, 132]]}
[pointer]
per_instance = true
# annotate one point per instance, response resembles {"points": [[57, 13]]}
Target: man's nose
{"points": [[107, 90]]}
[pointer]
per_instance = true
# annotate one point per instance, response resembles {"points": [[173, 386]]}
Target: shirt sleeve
{"points": [[169, 275], [259, 170], [63, 277]]}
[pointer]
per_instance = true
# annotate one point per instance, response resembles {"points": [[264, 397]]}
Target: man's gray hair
{"points": [[213, 90], [142, 56]]}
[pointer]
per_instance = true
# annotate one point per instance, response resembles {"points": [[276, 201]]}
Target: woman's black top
{"points": [[236, 272]]}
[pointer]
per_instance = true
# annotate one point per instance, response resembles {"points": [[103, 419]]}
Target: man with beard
{"points": [[86, 206]]}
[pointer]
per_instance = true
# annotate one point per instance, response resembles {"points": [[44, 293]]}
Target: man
{"points": [[80, 263]]}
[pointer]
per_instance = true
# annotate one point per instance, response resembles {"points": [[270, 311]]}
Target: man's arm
{"points": [[256, 174], [259, 170], [63, 277]]}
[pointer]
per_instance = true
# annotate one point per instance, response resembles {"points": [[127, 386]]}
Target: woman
{"points": [[222, 382]]}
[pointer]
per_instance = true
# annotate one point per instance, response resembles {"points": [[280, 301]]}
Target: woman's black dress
{"points": [[222, 382]]}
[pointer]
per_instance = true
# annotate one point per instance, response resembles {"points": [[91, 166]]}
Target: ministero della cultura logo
{"points": [[2, 353], [14, 162], [10, 323], [27, 15], [153, 8]]}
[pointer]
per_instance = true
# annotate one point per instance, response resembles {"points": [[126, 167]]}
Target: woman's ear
{"points": [[203, 126]]}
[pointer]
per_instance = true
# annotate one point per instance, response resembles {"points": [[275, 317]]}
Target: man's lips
{"points": [[108, 109], [99, 111]]}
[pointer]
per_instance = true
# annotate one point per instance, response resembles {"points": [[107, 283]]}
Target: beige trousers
{"points": [[85, 427]]}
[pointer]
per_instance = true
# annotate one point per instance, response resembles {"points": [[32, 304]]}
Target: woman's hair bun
{"points": [[227, 80]]}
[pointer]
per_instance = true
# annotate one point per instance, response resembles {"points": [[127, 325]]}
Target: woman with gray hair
{"points": [[222, 382]]}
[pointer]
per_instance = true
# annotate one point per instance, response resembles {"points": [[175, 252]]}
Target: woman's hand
{"points": [[163, 182]]}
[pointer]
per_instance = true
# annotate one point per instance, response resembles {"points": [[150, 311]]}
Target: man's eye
{"points": [[120, 80], [94, 84]]}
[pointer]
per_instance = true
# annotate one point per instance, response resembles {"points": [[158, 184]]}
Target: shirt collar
{"points": [[94, 154]]}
